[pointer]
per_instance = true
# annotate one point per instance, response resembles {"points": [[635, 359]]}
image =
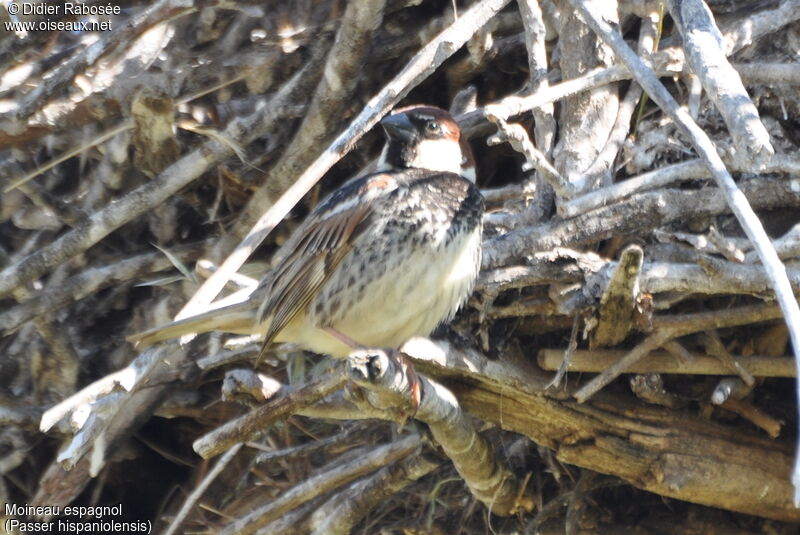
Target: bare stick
{"points": [[757, 417], [516, 136], [615, 313], [324, 113], [736, 200], [769, 73], [622, 437], [715, 347], [668, 61], [669, 174], [650, 343], [643, 211], [124, 379], [544, 128], [340, 513], [388, 384], [567, 358], [198, 491], [420, 67], [597, 360], [252, 424], [702, 42], [748, 29]]}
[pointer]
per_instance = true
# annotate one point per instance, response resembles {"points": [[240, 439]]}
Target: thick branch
{"points": [[472, 455], [660, 450]]}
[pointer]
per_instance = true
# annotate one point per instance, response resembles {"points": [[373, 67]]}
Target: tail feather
{"points": [[238, 319]]}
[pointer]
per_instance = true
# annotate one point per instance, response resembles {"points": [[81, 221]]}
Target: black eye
{"points": [[433, 127]]}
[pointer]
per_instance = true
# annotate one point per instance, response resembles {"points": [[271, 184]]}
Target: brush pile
{"points": [[624, 364]]}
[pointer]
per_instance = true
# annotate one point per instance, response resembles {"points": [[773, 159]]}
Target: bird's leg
{"points": [[343, 338], [413, 379], [408, 368]]}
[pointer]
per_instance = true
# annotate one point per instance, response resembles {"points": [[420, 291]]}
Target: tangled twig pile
{"points": [[617, 243]]}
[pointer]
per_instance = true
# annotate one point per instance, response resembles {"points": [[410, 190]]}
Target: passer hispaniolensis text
{"points": [[386, 257]]}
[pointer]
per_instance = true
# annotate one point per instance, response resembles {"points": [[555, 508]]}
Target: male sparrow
{"points": [[386, 257]]}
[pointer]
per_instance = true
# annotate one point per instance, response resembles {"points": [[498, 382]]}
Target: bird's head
{"points": [[425, 137]]}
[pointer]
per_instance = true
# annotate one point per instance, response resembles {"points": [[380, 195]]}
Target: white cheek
{"points": [[439, 155]]}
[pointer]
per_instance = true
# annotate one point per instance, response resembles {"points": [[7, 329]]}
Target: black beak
{"points": [[398, 126]]}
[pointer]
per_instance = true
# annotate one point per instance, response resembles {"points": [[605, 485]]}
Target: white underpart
{"points": [[414, 298], [438, 155]]}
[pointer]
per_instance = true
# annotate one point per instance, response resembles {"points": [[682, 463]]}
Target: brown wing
{"points": [[309, 258]]}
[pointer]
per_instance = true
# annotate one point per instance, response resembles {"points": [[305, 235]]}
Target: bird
{"points": [[388, 256]]}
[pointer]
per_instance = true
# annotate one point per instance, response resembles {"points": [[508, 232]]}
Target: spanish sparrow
{"points": [[386, 257]]}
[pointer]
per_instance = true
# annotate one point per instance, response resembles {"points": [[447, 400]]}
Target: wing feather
{"points": [[308, 260]]}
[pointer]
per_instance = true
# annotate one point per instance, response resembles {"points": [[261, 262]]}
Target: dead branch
{"points": [[615, 314], [338, 515], [634, 214], [597, 360], [89, 187], [733, 195], [656, 449], [251, 425]]}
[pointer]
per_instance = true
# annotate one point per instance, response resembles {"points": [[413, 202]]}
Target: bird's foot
{"points": [[389, 379]]}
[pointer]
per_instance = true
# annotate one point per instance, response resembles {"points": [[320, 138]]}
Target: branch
{"points": [[338, 515], [617, 304], [633, 215], [255, 422], [597, 360], [652, 342], [660, 450], [199, 489], [390, 384]]}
